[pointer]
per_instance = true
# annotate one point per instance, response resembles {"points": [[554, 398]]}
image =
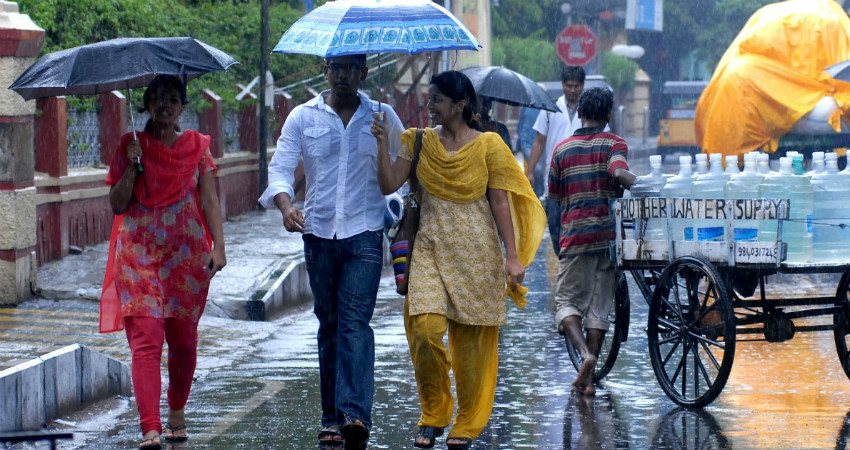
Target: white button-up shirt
{"points": [[341, 166]]}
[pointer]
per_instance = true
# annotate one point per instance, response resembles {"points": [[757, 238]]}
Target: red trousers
{"points": [[146, 336]]}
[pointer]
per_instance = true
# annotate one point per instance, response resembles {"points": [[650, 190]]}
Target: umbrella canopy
{"points": [[506, 86], [123, 63], [376, 26]]}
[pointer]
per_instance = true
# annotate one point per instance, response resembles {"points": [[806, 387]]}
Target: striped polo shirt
{"points": [[581, 180]]}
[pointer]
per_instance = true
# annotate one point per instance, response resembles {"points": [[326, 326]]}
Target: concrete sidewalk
{"points": [[264, 273], [54, 361]]}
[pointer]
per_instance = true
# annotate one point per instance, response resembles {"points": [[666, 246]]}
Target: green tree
{"points": [[230, 25], [534, 58], [619, 71]]}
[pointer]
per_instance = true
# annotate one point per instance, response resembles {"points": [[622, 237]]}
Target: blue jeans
{"points": [[344, 277], [553, 219]]}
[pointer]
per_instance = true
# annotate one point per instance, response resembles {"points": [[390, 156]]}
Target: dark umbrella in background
{"points": [[123, 63], [506, 86]]}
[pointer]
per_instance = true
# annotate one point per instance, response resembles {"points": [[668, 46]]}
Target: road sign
{"points": [[576, 45]]}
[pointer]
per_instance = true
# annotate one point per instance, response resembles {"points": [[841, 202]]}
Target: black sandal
{"points": [[153, 443], [430, 433], [464, 445], [171, 433], [355, 434], [327, 438]]}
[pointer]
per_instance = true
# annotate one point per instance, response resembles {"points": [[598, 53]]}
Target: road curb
{"points": [[35, 392], [286, 286]]}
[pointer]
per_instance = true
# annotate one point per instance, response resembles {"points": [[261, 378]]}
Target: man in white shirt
{"points": [[552, 128], [342, 224]]}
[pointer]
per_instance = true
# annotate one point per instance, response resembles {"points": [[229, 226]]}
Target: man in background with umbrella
{"points": [[343, 236]]}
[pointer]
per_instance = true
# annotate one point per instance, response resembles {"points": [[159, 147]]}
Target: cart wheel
{"points": [[619, 317], [841, 322], [691, 332]]}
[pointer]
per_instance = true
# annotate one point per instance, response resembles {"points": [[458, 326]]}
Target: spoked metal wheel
{"points": [[619, 318], [841, 322], [691, 332]]}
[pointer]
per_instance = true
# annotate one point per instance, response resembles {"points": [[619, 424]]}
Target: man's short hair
{"points": [[359, 59], [596, 104], [572, 73]]}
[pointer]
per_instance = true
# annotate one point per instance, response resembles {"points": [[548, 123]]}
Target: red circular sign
{"points": [[576, 45]]}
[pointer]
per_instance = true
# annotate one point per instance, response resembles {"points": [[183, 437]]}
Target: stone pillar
{"points": [[282, 107], [20, 42], [635, 103], [112, 122], [210, 123], [249, 124], [51, 137]]}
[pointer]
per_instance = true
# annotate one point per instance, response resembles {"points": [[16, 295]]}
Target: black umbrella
{"points": [[840, 71], [506, 86], [123, 63]]}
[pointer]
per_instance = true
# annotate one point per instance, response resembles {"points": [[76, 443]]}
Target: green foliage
{"points": [[534, 58], [619, 71], [230, 25], [708, 26]]}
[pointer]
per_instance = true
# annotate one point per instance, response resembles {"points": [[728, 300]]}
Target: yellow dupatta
{"points": [[465, 176]]}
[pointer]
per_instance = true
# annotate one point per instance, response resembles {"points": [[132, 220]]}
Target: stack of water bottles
{"points": [[818, 228]]}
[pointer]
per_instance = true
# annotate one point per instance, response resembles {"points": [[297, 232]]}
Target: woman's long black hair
{"points": [[456, 86]]}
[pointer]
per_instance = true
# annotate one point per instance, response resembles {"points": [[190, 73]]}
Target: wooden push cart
{"points": [[703, 294]]}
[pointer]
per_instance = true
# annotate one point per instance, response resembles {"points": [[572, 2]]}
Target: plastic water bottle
{"points": [[650, 186], [701, 160], [710, 186], [795, 231], [763, 160], [681, 186], [817, 164], [732, 165], [745, 185], [831, 242], [798, 166]]}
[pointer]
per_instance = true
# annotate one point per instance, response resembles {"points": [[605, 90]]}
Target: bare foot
{"points": [[585, 374], [589, 390]]}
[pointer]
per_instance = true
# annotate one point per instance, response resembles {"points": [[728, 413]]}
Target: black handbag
{"points": [[403, 232]]}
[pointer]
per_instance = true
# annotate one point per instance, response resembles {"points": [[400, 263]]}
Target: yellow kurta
{"points": [[457, 266]]}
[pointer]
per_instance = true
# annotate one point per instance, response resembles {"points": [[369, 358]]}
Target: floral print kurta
{"points": [[159, 258]]}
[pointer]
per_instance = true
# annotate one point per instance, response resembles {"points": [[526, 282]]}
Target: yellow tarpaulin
{"points": [[772, 74]]}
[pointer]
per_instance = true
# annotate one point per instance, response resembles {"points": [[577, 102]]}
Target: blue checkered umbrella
{"points": [[351, 27]]}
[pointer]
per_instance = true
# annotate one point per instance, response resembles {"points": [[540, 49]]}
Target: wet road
{"points": [[256, 388]]}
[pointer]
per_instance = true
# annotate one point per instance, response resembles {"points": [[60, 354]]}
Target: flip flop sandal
{"points": [[464, 445], [171, 433], [355, 435], [326, 438], [430, 433], [151, 444]]}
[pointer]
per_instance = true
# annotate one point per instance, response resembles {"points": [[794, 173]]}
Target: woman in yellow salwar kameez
{"points": [[472, 193]]}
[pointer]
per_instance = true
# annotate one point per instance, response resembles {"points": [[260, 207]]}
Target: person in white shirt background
{"points": [[552, 128], [342, 224]]}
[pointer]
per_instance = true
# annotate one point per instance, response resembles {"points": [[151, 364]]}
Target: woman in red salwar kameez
{"points": [[166, 245]]}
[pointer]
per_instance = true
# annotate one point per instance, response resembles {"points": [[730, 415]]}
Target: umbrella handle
{"points": [[140, 168]]}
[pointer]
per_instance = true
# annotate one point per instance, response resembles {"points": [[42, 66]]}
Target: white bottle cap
{"points": [[655, 159]]}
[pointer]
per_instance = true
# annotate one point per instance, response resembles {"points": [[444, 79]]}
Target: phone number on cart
{"points": [[755, 253]]}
